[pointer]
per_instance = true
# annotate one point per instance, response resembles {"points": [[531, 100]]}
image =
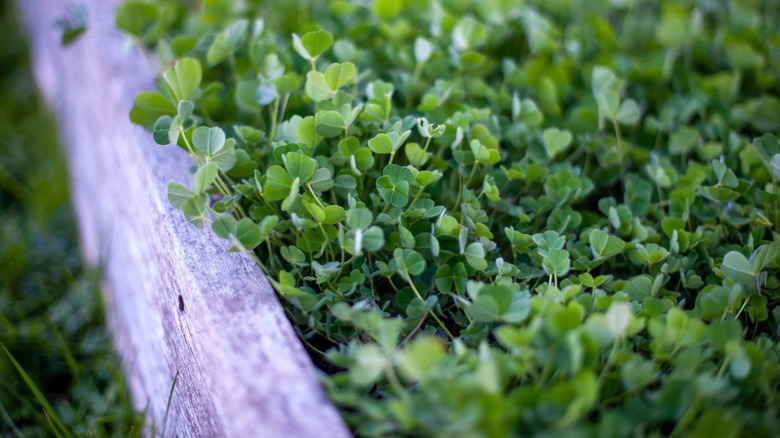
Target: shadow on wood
{"points": [[177, 302]]}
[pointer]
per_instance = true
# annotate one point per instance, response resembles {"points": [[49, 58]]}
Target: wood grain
{"points": [[177, 302]]}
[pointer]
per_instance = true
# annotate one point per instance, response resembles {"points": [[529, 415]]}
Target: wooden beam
{"points": [[177, 302]]}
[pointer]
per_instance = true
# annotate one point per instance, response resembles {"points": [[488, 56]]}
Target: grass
{"points": [[58, 373]]}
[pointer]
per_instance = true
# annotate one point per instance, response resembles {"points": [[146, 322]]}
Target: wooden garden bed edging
{"points": [[176, 300]]}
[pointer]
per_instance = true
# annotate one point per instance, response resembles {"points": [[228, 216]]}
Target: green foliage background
{"points": [[492, 217], [51, 313]]}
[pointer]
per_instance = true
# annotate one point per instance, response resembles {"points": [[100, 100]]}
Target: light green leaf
{"points": [[204, 177], [312, 44], [628, 112], [178, 194], [419, 356], [317, 87], [224, 226], [737, 268], [300, 166], [555, 141], [227, 42], [248, 233], [149, 107], [602, 245], [208, 141], [381, 144], [278, 184], [556, 262], [475, 256], [184, 78], [339, 74]]}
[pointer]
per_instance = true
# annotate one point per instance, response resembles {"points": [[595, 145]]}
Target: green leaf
{"points": [[330, 123], [385, 9], [628, 112], [293, 195], [373, 239], [204, 177], [381, 144], [602, 245], [725, 176], [775, 165], [161, 132], [321, 180], [178, 194], [334, 214], [224, 226], [208, 141], [448, 277], [227, 42], [312, 44], [394, 185], [397, 194], [359, 218], [555, 141], [419, 356], [300, 166], [317, 87], [337, 75], [737, 268], [278, 184], [409, 260], [475, 256], [137, 17], [369, 365], [556, 262], [184, 78], [149, 107], [307, 132], [184, 112], [194, 210], [618, 318], [226, 157], [248, 233]]}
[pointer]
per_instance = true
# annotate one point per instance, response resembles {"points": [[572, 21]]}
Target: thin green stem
{"points": [[430, 312]]}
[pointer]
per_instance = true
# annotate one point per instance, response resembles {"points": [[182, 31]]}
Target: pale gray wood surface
{"points": [[242, 371]]}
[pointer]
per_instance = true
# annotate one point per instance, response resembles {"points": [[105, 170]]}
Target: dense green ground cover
{"points": [[492, 217], [51, 314]]}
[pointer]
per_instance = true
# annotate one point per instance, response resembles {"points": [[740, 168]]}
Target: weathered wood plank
{"points": [[176, 300]]}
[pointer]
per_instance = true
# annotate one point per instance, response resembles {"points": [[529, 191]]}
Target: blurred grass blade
{"points": [[51, 414]]}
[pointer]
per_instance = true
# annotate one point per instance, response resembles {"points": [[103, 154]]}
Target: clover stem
{"points": [[689, 415], [427, 142], [473, 172], [610, 358], [392, 378], [414, 330], [316, 199], [415, 78], [460, 192], [236, 206], [311, 347], [274, 114], [189, 148], [777, 203], [742, 308], [422, 188], [433, 315], [257, 260], [620, 149]]}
